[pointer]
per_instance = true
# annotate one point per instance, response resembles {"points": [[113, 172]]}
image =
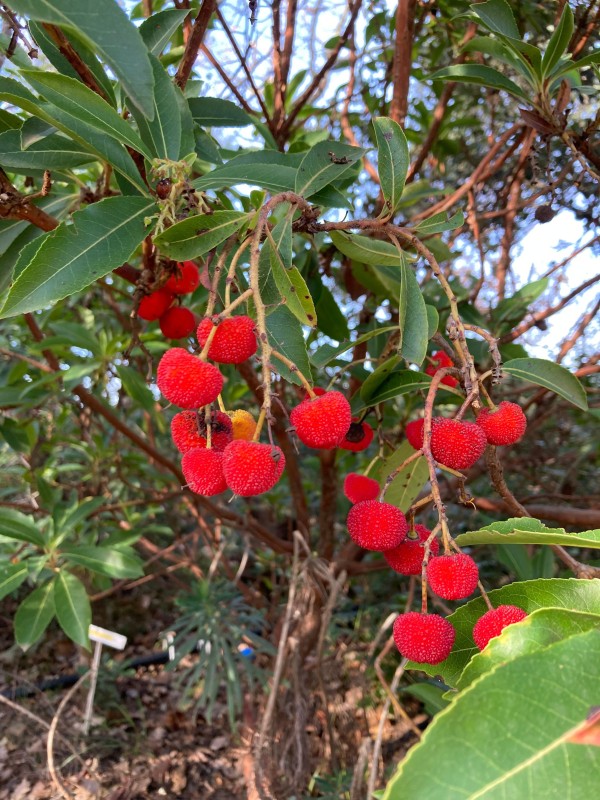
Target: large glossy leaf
{"points": [[195, 236], [524, 530], [285, 335], [401, 382], [16, 525], [365, 249], [34, 614], [392, 160], [412, 313], [559, 40], [156, 31], [294, 291], [512, 732], [497, 15], [11, 577], [105, 27], [550, 375], [162, 134], [266, 168], [323, 164], [480, 75], [101, 237], [330, 317], [439, 223], [111, 561], [53, 152], [407, 484], [72, 606], [213, 112]]}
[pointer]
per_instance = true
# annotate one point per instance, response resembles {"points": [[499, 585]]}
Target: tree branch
{"points": [[194, 43]]}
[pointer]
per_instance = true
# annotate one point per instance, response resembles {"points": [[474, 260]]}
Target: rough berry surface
{"points": [[243, 423], [322, 422], [407, 558], [358, 437], [177, 322], [188, 430], [187, 381], [493, 622], [376, 526], [457, 444], [185, 280], [154, 305], [252, 468], [504, 426], [203, 471], [359, 487], [424, 638], [414, 433], [441, 360], [452, 577], [233, 342]]}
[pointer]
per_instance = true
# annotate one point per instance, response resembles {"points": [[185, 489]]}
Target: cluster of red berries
{"points": [[176, 321]]}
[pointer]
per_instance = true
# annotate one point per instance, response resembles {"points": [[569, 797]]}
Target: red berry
{"points": [[359, 436], [493, 622], [456, 444], [188, 430], [234, 341], [323, 421], [154, 305], [504, 426], [359, 487], [177, 322], [185, 280], [414, 433], [443, 360], [316, 390], [452, 577], [252, 468], [424, 638], [203, 471], [187, 381], [407, 558], [376, 526]]}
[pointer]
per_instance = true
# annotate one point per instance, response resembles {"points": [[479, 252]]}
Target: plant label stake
{"points": [[101, 637]]}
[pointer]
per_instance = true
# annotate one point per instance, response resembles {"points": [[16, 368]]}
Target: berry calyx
{"points": [[359, 487], [414, 433], [407, 558], [243, 423], [493, 622], [504, 426], [177, 322], [233, 342], [358, 437], [187, 381], [376, 526], [203, 471], [453, 576], [323, 421], [154, 305], [442, 360], [185, 280], [457, 444], [188, 430], [424, 638], [252, 468]]}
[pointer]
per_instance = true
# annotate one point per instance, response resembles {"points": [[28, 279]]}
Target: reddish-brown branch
{"points": [[587, 518], [402, 63], [194, 43], [14, 205], [230, 85], [75, 60], [580, 329]]}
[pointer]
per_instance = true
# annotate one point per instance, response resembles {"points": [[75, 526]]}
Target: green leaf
{"points": [[114, 562], [511, 731], [393, 160], [285, 335], [559, 41], [431, 695], [293, 289], [480, 75], [401, 382], [16, 525], [529, 595], [538, 630], [328, 353], [433, 320], [53, 152], [11, 577], [73, 609], [162, 134], [101, 237], [323, 164], [156, 31], [34, 614], [412, 317], [136, 387], [330, 318], [511, 310], [213, 112], [378, 376], [497, 15], [524, 530], [550, 375], [439, 223], [195, 236], [406, 486], [265, 168], [106, 29], [365, 249]]}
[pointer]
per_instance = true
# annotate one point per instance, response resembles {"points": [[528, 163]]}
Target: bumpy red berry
{"points": [[360, 487], [414, 433], [323, 421], [376, 526], [457, 444], [185, 280], [154, 305], [452, 577], [177, 322], [203, 471], [187, 381], [233, 342], [493, 622], [252, 468], [442, 360], [188, 430], [424, 638], [407, 558], [504, 426], [359, 436]]}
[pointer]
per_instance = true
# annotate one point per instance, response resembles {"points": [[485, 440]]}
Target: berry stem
{"points": [[259, 424], [293, 368], [204, 352], [208, 426], [485, 392], [221, 404], [232, 268], [484, 594], [237, 302]]}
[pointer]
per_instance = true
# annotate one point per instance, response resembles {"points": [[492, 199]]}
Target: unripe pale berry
{"points": [[504, 426], [187, 381], [407, 558], [457, 444], [234, 341], [252, 468], [453, 576], [360, 487], [154, 305], [177, 322], [203, 471], [243, 423], [322, 422], [424, 638], [376, 526], [493, 622]]}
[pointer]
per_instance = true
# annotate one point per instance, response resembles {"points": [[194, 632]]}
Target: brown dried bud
{"points": [[163, 188], [544, 213]]}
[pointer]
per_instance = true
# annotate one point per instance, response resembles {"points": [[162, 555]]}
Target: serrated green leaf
{"points": [[285, 335], [365, 249], [480, 75], [265, 168], [550, 375], [52, 152], [559, 40], [34, 615], [214, 112], [323, 164], [157, 30], [195, 236], [523, 530], [497, 15], [393, 160], [11, 577], [404, 489], [112, 561], [412, 317], [73, 609], [295, 292], [398, 383], [16, 525], [433, 320], [439, 223]]}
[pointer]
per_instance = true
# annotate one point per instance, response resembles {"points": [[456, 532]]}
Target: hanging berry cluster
{"points": [[175, 321]]}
